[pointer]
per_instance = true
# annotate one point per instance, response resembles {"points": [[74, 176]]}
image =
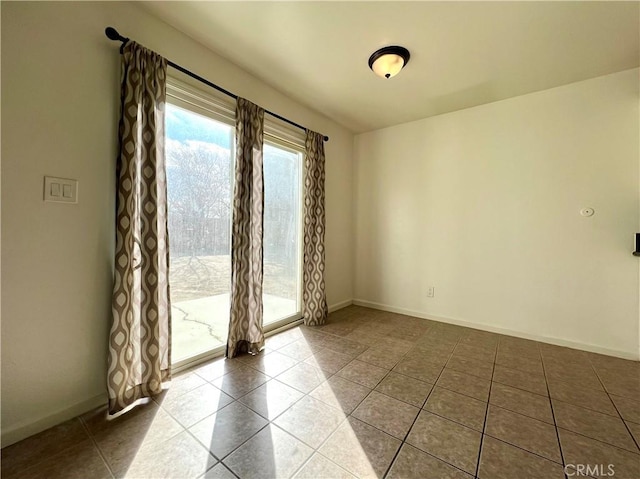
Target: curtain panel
{"points": [[314, 308], [245, 324], [139, 358]]}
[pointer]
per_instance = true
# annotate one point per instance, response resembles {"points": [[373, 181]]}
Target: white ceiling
{"points": [[462, 53]]}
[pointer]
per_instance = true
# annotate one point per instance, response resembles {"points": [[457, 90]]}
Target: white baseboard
{"points": [[493, 329], [29, 428], [340, 305]]}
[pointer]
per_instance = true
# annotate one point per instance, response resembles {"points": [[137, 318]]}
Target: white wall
{"points": [[484, 205], [60, 92]]}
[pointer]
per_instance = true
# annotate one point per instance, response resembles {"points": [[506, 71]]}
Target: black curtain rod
{"points": [[113, 34]]}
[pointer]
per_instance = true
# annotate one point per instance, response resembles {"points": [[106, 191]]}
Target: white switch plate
{"points": [[60, 190]]}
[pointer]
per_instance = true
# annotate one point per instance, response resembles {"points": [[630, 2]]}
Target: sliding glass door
{"points": [[199, 152], [199, 187], [282, 233]]}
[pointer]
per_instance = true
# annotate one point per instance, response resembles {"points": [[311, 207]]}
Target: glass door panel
{"points": [[282, 233], [199, 189]]}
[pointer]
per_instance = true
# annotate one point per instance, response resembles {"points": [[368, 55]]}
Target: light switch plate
{"points": [[60, 190]]}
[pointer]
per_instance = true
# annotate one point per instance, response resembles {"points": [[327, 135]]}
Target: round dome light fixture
{"points": [[388, 61]]}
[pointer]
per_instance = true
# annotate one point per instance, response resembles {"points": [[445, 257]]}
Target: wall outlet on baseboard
{"points": [[431, 291]]}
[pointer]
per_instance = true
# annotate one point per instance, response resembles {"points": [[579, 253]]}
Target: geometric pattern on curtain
{"points": [[139, 358], [314, 300], [245, 323]]}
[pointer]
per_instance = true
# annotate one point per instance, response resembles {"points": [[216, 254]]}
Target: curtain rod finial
{"points": [[112, 34]]}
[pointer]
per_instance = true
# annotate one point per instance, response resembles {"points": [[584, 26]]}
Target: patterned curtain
{"points": [[245, 324], [140, 337], [314, 309]]}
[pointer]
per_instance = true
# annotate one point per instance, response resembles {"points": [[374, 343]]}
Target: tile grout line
{"points": [[401, 400], [316, 450], [188, 429], [347, 415], [531, 453], [520, 389], [580, 406], [521, 414], [221, 459], [615, 407], [374, 389], [598, 440], [95, 444], [404, 441], [553, 415], [269, 423], [44, 459], [486, 412]]}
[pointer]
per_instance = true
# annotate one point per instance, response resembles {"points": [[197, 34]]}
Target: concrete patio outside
{"points": [[199, 325]]}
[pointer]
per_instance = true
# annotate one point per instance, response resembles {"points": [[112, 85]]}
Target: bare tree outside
{"points": [[281, 222], [199, 197]]}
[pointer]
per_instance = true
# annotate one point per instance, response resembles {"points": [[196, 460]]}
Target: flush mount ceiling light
{"points": [[388, 61]]}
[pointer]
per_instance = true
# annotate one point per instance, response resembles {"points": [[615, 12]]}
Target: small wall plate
{"points": [[60, 190]]}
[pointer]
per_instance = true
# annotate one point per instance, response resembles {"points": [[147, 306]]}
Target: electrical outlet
{"points": [[431, 292]]}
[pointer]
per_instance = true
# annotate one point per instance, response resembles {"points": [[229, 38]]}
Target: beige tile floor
{"points": [[371, 394]]}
